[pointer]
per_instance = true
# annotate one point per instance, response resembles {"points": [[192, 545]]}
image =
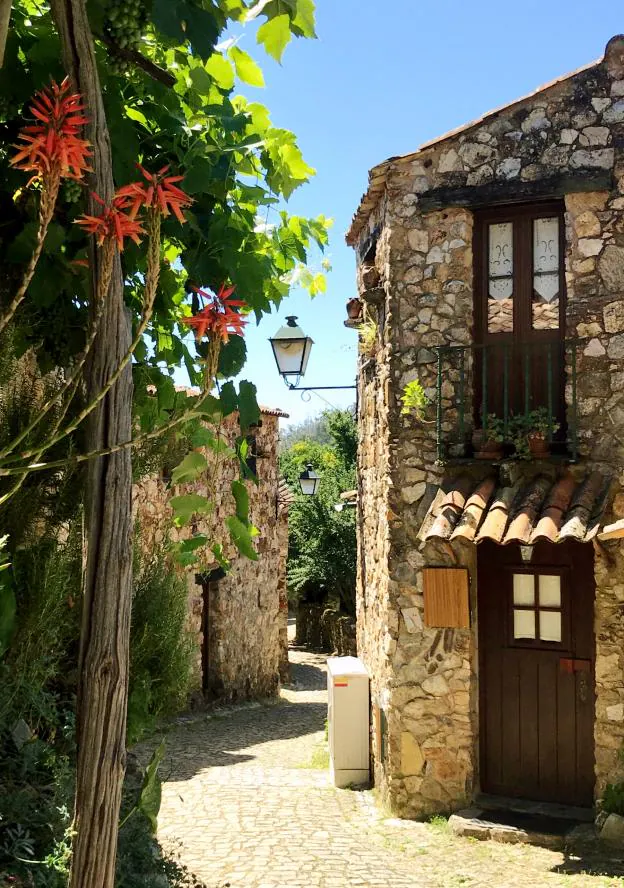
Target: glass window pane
{"points": [[550, 625], [523, 589], [550, 591], [500, 277], [524, 624], [546, 273]]}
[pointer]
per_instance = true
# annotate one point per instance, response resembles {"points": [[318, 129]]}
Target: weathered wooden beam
{"points": [[510, 191]]}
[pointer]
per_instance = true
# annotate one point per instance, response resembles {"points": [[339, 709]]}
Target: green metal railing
{"points": [[506, 380]]}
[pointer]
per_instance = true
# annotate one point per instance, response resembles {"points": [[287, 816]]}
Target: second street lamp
{"points": [[308, 481]]}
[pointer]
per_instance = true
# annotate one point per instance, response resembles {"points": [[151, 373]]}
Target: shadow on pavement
{"points": [[227, 737]]}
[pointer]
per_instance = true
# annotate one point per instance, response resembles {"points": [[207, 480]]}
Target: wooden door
{"points": [[537, 672], [205, 624], [520, 311]]}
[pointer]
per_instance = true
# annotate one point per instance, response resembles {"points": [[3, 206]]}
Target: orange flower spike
{"points": [[160, 193], [217, 317], [112, 223], [52, 144]]}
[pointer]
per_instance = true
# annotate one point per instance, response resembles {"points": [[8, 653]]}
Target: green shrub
{"points": [[37, 701], [613, 799], [321, 539], [161, 648]]}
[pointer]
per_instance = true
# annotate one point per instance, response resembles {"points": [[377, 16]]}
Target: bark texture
{"points": [[5, 17], [103, 687]]}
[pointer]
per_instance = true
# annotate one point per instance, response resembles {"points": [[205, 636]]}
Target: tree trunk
{"points": [[5, 17], [103, 683]]}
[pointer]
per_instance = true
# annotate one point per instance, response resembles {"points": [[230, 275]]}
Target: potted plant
{"points": [[354, 308], [488, 441], [532, 433]]}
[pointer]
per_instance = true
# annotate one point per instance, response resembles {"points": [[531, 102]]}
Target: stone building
{"points": [[239, 619], [490, 595]]}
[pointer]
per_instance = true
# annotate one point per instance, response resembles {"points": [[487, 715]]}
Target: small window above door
{"points": [[537, 608]]}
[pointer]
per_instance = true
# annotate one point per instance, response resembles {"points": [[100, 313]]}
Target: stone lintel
{"points": [[510, 191]]}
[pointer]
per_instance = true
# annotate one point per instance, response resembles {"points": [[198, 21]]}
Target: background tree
{"points": [[321, 540], [159, 91]]}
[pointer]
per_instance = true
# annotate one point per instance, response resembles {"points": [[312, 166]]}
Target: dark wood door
{"points": [[205, 623], [537, 672], [520, 310]]}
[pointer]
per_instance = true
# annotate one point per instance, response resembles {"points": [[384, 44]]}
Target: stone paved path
{"points": [[247, 803]]}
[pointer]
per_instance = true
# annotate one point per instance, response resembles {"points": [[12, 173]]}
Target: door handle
{"points": [[583, 686]]}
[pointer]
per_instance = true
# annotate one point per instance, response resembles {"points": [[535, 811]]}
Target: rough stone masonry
{"points": [[248, 608], [413, 236]]}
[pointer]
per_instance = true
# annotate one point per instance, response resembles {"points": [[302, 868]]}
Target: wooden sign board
{"points": [[446, 593]]}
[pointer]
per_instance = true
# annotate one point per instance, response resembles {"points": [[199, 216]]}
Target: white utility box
{"points": [[348, 720]]}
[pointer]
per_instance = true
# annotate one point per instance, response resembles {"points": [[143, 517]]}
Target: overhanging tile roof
{"points": [[541, 508]]}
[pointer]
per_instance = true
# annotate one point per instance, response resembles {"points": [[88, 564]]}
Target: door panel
{"points": [[537, 696]]}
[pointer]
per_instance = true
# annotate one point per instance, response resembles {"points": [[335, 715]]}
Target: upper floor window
{"points": [[519, 272]]}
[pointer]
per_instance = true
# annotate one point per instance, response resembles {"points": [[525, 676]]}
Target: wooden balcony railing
{"points": [[504, 381]]}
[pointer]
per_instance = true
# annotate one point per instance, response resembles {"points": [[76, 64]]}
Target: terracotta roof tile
{"points": [[542, 508]]}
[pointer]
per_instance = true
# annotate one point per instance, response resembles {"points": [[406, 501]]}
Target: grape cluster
{"points": [[9, 109], [72, 191], [125, 22]]}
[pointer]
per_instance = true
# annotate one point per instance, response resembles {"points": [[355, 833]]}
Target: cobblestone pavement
{"points": [[247, 804]]}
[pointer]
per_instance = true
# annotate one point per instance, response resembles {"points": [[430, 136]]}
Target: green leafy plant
{"points": [[414, 400], [160, 86], [494, 429], [161, 648], [488, 440], [369, 337], [150, 794], [322, 540], [613, 798]]}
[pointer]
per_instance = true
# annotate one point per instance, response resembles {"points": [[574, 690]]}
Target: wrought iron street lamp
{"points": [[291, 348], [308, 481]]}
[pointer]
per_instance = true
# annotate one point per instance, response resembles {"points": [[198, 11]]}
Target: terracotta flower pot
{"points": [[354, 309], [492, 450], [486, 449], [538, 445]]}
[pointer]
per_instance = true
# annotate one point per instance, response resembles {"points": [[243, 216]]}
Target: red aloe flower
{"points": [[218, 317], [160, 193], [112, 223], [52, 145]]}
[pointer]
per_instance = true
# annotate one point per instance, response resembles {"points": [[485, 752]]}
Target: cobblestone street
{"points": [[247, 803]]}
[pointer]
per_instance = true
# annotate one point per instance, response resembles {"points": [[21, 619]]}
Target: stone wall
{"points": [[322, 628], [376, 619], [563, 142], [246, 623]]}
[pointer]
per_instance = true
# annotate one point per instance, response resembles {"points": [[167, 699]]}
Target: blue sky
{"points": [[381, 80]]}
